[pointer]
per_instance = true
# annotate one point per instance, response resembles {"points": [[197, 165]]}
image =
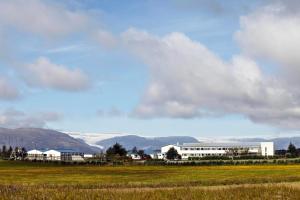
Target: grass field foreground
{"points": [[22, 180], [259, 192]]}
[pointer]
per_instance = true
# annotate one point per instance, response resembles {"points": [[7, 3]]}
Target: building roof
{"points": [[62, 151], [66, 150], [58, 150], [35, 151], [236, 144]]}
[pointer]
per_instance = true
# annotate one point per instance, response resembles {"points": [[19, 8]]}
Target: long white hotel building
{"points": [[187, 150]]}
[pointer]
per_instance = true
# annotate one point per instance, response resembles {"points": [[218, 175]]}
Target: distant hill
{"points": [[155, 143], [146, 143], [31, 138]]}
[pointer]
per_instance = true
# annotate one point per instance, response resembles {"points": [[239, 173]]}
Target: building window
{"points": [[266, 150]]}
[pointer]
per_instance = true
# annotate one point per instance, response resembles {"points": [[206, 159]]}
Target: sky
{"points": [[203, 68]]}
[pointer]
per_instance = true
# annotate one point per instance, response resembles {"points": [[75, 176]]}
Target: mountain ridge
{"points": [[39, 138], [149, 144]]}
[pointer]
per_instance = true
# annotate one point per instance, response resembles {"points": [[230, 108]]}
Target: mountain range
{"points": [[39, 138], [148, 144]]}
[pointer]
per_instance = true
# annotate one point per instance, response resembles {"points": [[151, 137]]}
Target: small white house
{"points": [[135, 156], [52, 155], [35, 155], [77, 158], [88, 156], [157, 155], [63, 155]]}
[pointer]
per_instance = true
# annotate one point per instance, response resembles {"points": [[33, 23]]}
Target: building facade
{"points": [[55, 155], [190, 150], [35, 155]]}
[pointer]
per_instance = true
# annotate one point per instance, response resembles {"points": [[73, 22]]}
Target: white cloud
{"points": [[41, 18], [7, 90], [268, 33], [44, 74], [188, 80], [12, 118], [273, 33], [50, 20], [105, 38]]}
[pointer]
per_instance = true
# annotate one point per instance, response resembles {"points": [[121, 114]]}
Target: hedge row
{"points": [[243, 157], [177, 163], [233, 162]]}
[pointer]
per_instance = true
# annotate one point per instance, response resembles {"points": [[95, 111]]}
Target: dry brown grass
{"points": [[245, 192], [39, 181]]}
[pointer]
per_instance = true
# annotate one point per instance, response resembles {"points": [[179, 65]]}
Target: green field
{"points": [[19, 180]]}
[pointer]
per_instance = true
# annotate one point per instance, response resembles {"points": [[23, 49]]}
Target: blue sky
{"points": [[153, 68]]}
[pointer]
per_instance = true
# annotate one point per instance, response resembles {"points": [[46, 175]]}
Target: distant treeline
{"points": [[17, 153], [156, 162], [291, 152]]}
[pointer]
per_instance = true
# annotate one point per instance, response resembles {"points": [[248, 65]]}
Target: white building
{"points": [[135, 156], [267, 148], [52, 155], [59, 154], [157, 155], [187, 150], [88, 155], [35, 154]]}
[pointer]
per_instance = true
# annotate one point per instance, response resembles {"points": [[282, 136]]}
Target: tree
{"points": [[141, 153], [134, 150], [292, 150], [244, 151], [13, 153], [172, 154], [20, 153], [23, 153], [232, 151], [115, 150], [9, 151], [3, 152]]}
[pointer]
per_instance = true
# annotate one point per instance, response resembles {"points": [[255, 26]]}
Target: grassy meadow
{"points": [[22, 180]]}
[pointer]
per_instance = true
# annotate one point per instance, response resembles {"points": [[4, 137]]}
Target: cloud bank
{"points": [[48, 21], [45, 74], [12, 118], [188, 80], [38, 17]]}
